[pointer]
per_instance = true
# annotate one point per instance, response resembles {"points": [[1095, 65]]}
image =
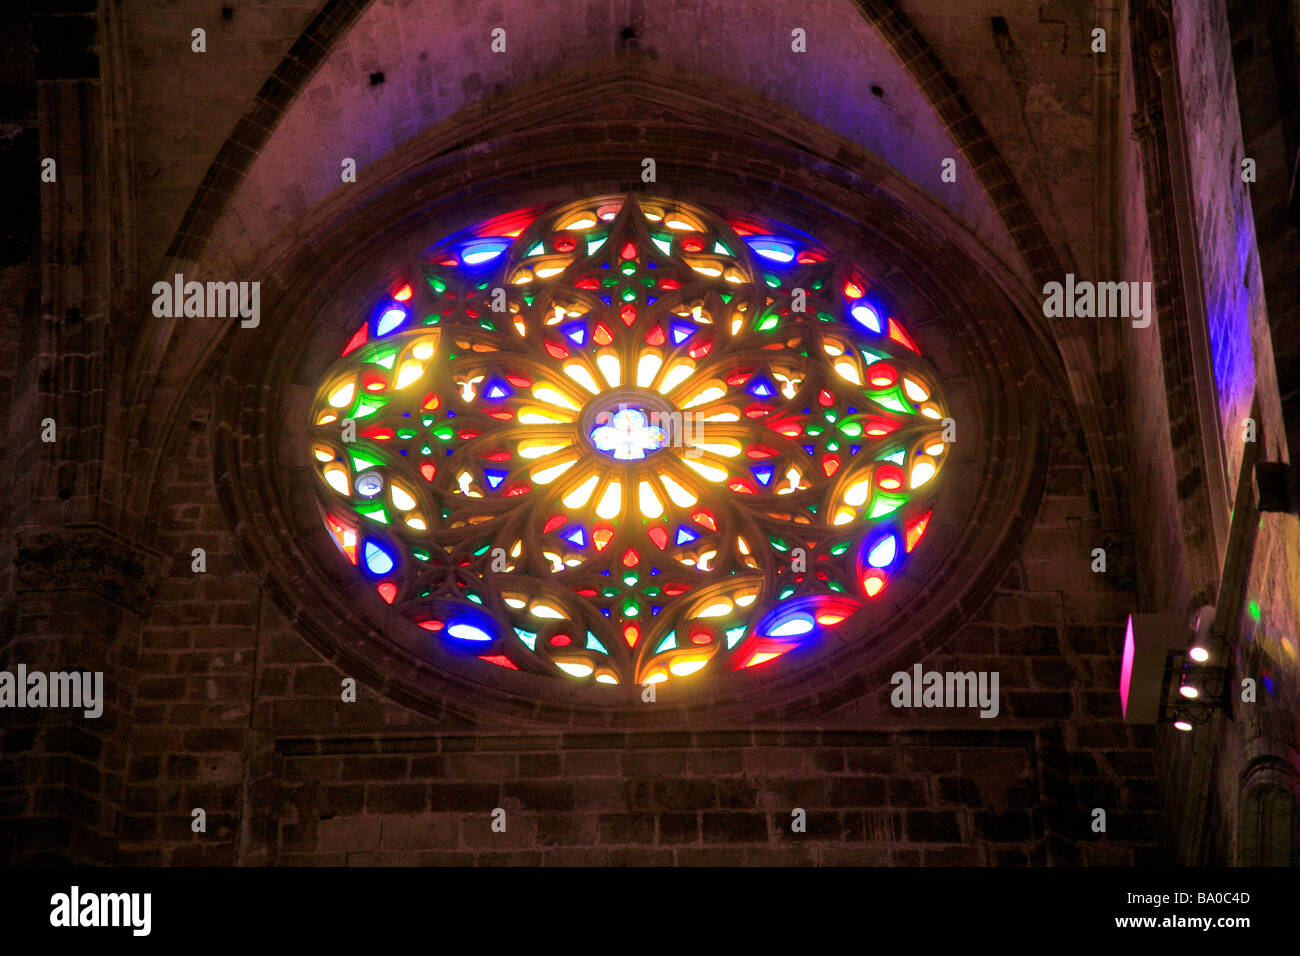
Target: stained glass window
{"points": [[625, 440]]}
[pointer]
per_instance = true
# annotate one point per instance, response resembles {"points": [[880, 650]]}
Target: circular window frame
{"points": [[982, 349]]}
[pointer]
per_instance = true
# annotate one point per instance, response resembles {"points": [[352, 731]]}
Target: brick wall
{"points": [[237, 714]]}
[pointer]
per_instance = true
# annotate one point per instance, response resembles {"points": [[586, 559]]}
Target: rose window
{"points": [[627, 440]]}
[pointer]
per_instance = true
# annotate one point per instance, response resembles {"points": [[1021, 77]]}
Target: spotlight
{"points": [[1182, 725], [1199, 654], [1187, 690]]}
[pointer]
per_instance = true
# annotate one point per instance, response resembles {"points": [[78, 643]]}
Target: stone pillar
{"points": [[80, 592]]}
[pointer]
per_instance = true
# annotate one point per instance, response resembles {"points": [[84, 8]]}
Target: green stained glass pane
{"points": [[734, 634], [813, 430], [840, 548], [896, 457], [785, 593], [485, 324], [664, 245], [529, 297], [721, 249], [871, 356], [852, 429], [668, 643], [437, 285], [630, 609], [427, 421], [628, 268], [536, 250], [727, 297], [885, 504], [483, 550], [832, 446], [830, 415], [420, 555], [772, 281], [768, 322], [892, 401], [431, 319], [406, 434], [444, 433], [368, 406], [609, 592], [818, 283], [594, 244], [836, 586], [779, 544], [361, 462], [425, 449], [630, 579], [385, 358], [651, 591], [594, 645], [610, 281], [373, 511], [475, 598], [629, 295], [825, 316]]}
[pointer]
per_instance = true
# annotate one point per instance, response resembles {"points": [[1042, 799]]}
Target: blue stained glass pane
{"points": [[763, 473], [528, 637], [774, 250], [761, 388], [467, 632], [390, 320], [576, 331], [681, 332], [883, 552], [494, 478], [685, 534], [668, 643], [378, 560], [483, 250], [576, 536], [809, 449]]}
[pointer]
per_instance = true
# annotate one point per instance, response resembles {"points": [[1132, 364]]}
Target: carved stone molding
{"points": [[87, 558]]}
